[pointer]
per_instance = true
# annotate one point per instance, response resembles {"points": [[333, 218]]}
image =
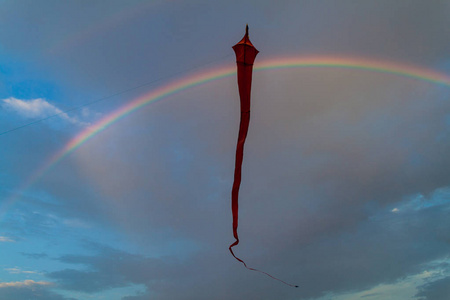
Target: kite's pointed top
{"points": [[245, 40], [246, 34], [245, 51]]}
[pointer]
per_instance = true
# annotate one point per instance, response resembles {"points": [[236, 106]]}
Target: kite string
{"points": [[256, 270]]}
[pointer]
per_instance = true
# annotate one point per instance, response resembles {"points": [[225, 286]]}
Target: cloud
{"points": [[36, 109], [436, 290], [6, 239], [403, 288], [25, 283], [110, 269], [36, 218], [29, 289], [77, 223], [19, 271], [138, 297]]}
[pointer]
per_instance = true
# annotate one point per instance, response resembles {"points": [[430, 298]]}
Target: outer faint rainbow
{"points": [[189, 81], [90, 30]]}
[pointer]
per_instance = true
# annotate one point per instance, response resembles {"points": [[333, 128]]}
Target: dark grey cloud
{"points": [[111, 268], [88, 282], [370, 295], [436, 290], [140, 297]]}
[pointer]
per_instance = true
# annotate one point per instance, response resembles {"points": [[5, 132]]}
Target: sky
{"points": [[118, 128]]}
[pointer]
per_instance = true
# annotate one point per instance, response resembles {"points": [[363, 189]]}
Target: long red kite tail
{"points": [[245, 56]]}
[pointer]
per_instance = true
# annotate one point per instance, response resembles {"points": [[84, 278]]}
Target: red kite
{"points": [[245, 56]]}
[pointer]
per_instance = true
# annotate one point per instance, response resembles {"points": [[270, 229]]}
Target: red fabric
{"points": [[245, 56]]}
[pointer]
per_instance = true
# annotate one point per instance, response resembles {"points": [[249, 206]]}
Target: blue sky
{"points": [[346, 181]]}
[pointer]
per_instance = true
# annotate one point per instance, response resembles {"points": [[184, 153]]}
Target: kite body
{"points": [[245, 56]]}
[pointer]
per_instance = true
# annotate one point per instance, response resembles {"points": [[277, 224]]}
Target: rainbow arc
{"points": [[387, 67]]}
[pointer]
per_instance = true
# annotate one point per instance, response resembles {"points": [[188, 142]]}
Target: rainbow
{"points": [[190, 81], [380, 66]]}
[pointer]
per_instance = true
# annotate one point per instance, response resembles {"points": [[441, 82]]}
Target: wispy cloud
{"points": [[76, 223], [6, 239], [17, 270], [36, 108], [25, 283]]}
